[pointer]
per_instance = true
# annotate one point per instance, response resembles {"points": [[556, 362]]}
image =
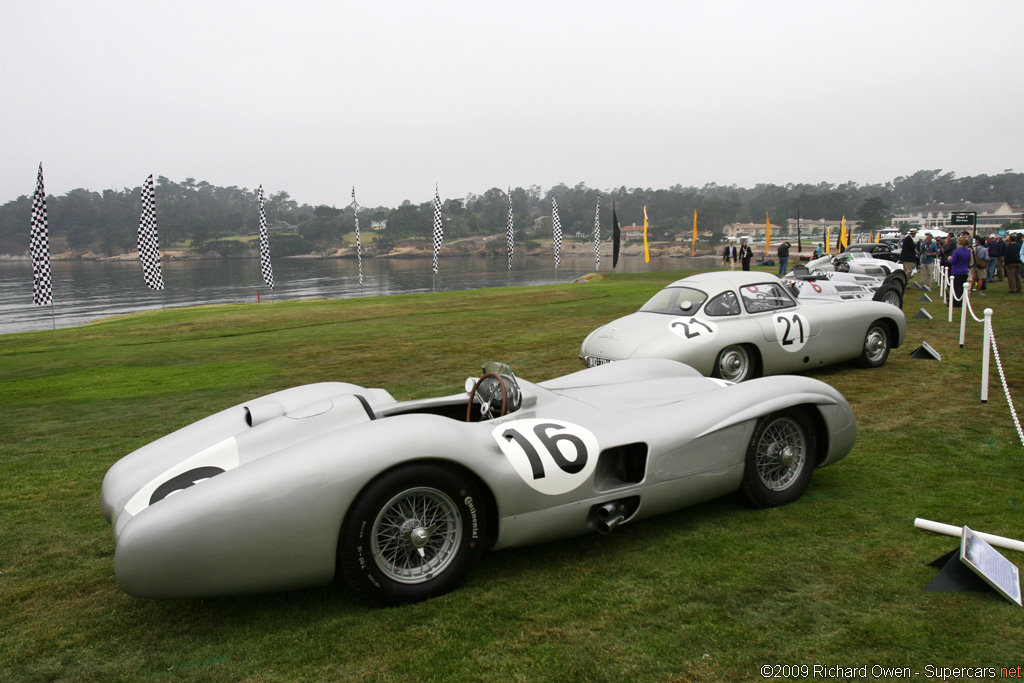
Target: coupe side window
{"points": [[675, 301], [765, 297], [725, 303]]}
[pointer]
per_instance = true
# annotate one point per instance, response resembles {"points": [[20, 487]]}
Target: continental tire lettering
{"points": [[551, 456], [472, 514]]}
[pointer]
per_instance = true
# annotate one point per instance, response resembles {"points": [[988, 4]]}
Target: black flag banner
{"points": [[616, 237], [149, 243], [265, 266], [39, 247]]}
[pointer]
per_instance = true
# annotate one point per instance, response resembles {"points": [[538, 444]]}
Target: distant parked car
{"points": [[876, 250], [858, 263], [739, 325]]}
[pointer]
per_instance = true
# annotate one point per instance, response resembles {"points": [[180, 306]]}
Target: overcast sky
{"points": [[393, 96]]}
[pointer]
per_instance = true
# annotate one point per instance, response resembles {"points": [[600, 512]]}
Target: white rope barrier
{"points": [[988, 340], [1002, 378]]}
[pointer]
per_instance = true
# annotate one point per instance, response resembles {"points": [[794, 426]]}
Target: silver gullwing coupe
{"points": [[400, 498], [740, 325]]}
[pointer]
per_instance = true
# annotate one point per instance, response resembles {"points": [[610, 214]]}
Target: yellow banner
{"points": [[693, 246], [647, 253], [842, 234], [768, 235], [828, 241]]}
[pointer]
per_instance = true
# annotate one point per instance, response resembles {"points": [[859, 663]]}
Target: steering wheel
{"points": [[485, 408]]}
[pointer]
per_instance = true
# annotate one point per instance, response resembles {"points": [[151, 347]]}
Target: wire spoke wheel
{"points": [[781, 454], [416, 535]]}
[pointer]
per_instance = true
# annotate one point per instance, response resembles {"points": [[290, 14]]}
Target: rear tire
{"points": [[735, 364], [780, 459], [413, 533]]}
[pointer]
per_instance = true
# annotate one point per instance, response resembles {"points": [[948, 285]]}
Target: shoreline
{"points": [[467, 247]]}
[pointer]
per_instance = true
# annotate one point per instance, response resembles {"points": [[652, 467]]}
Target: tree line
{"points": [[202, 217]]}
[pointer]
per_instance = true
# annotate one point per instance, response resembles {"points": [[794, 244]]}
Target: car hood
{"points": [[621, 338]]}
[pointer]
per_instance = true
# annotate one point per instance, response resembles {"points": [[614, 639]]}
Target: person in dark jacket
{"points": [[908, 252], [746, 253], [783, 258], [1012, 264], [729, 255], [997, 258]]}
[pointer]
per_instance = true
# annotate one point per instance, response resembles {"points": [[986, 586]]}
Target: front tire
{"points": [[876, 346], [413, 533], [735, 364], [890, 294], [780, 459]]}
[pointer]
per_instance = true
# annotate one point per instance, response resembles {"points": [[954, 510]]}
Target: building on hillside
{"points": [[757, 231], [632, 232], [991, 216], [379, 225]]}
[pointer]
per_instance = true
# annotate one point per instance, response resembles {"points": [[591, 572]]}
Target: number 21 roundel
{"points": [[552, 456], [792, 330], [694, 329]]}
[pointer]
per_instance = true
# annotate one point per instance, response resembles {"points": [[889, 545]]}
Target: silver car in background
{"points": [[740, 325]]}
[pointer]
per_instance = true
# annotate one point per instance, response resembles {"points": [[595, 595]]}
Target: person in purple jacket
{"points": [[959, 267]]}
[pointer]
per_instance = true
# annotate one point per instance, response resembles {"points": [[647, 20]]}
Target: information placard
{"points": [[986, 562], [963, 217]]}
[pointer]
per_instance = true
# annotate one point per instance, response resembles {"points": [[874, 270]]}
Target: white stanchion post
{"points": [[949, 293], [987, 343], [965, 303]]}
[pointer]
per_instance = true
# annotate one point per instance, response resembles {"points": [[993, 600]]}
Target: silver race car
{"points": [[739, 325], [401, 497]]}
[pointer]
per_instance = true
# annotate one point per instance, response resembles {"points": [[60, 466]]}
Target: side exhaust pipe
{"points": [[605, 526], [606, 516]]}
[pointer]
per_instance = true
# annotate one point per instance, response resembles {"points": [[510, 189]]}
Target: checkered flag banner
{"points": [[556, 232], [438, 227], [149, 244], [510, 235], [39, 247], [359, 244], [265, 267], [597, 235]]}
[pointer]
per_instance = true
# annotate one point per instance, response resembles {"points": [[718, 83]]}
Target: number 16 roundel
{"points": [[552, 456]]}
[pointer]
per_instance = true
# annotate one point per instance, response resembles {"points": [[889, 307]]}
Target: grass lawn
{"points": [[706, 594]]}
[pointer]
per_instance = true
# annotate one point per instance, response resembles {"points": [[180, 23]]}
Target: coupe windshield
{"points": [[675, 301]]}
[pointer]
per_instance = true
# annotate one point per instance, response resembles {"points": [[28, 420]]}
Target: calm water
{"points": [[85, 291]]}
